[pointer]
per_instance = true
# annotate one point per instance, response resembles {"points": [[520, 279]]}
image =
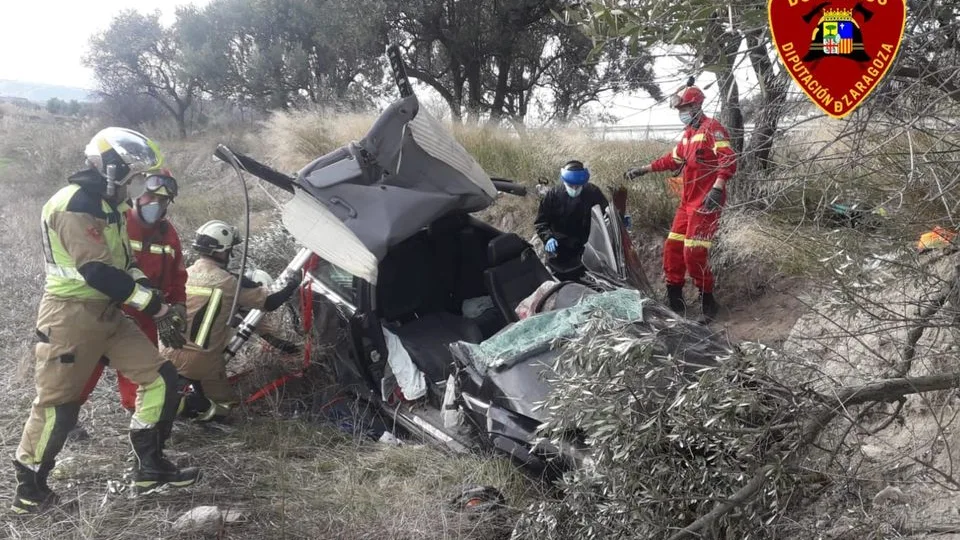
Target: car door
{"points": [[360, 358], [603, 254]]}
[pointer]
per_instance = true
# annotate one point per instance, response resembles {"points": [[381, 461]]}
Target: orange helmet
{"points": [[691, 95]]}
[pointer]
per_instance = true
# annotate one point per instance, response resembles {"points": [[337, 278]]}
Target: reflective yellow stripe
{"points": [[137, 274], [50, 420], [215, 295], [698, 137], [63, 272], [149, 405], [139, 298], [721, 144], [676, 236], [697, 243], [215, 409], [676, 157], [156, 249]]}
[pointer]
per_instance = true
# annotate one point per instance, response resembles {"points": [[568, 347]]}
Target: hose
{"points": [[223, 151]]}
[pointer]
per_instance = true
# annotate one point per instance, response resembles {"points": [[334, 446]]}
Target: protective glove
{"points": [[551, 245], [181, 310], [712, 201], [169, 324], [635, 172]]}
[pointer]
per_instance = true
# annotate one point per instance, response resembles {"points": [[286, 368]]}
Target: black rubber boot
{"points": [[153, 470], [675, 299], [709, 308], [32, 494]]}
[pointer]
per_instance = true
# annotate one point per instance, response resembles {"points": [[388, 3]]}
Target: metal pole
{"points": [[250, 322]]}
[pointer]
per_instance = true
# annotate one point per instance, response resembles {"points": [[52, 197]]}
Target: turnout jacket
{"points": [[705, 155], [86, 249], [159, 256], [210, 291]]}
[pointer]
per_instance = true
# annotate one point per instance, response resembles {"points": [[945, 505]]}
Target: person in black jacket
{"points": [[563, 220]]}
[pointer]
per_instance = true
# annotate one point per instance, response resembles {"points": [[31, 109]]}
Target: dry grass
{"points": [[290, 474]]}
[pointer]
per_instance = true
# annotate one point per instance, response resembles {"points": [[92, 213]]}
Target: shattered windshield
{"points": [[535, 334]]}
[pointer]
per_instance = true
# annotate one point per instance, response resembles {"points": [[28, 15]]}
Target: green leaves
{"points": [[668, 439]]}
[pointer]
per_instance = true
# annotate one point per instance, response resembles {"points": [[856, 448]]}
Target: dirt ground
{"points": [[766, 319]]}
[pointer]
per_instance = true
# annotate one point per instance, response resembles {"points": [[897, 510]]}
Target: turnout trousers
{"points": [[127, 388], [73, 338], [685, 250]]}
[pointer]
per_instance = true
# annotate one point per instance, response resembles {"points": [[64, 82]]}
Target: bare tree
{"points": [[136, 55]]}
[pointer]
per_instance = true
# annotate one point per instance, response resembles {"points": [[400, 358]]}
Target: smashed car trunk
{"points": [[407, 172]]}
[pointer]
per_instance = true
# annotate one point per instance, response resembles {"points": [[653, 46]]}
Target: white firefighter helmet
{"points": [[216, 236]]}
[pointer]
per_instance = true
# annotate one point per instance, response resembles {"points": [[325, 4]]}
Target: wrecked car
{"points": [[427, 294]]}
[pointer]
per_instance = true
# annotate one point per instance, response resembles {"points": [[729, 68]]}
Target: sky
{"points": [[44, 41]]}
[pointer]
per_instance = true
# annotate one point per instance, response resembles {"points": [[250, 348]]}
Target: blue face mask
{"points": [[151, 212], [573, 191], [686, 118]]}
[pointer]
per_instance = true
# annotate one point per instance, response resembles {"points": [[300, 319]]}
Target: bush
{"points": [[668, 442]]}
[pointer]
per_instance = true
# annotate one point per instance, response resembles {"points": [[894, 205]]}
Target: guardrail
{"points": [[671, 132]]}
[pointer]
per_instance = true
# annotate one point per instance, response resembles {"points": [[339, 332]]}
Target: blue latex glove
{"points": [[551, 245], [627, 222]]}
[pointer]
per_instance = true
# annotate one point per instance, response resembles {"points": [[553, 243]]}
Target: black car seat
{"points": [[412, 303], [515, 273]]}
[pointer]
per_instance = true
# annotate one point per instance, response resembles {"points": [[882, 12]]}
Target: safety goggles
{"points": [[161, 185]]}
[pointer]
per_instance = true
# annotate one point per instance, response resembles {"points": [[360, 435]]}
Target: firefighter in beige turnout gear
{"points": [[210, 294], [90, 274]]}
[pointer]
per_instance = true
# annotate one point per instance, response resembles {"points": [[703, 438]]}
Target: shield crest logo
{"points": [[838, 51]]}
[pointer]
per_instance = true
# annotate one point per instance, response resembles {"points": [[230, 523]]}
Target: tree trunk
{"points": [[181, 118], [500, 94], [474, 91], [756, 156], [732, 115]]}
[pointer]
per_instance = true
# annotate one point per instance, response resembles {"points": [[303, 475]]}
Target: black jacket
{"points": [[567, 219]]}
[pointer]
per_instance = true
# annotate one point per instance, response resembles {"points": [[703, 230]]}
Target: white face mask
{"points": [[151, 212], [573, 191]]}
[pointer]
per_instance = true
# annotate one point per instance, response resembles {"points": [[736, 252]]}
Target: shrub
{"points": [[666, 446]]}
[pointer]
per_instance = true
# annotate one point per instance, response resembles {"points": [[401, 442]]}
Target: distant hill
{"points": [[41, 92]]}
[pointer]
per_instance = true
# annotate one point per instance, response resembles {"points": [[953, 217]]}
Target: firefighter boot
{"points": [[709, 308], [675, 299], [153, 470], [32, 494]]}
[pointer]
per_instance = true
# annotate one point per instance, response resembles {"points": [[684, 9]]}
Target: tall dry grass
{"points": [[287, 473]]}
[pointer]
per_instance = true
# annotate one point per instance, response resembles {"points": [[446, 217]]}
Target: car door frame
{"points": [[364, 333]]}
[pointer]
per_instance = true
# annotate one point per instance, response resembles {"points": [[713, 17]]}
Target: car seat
{"points": [[515, 273]]}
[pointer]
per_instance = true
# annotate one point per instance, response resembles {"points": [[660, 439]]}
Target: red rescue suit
{"points": [[705, 156], [160, 257]]}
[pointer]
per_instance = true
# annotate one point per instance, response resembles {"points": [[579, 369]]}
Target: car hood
{"points": [[406, 172]]}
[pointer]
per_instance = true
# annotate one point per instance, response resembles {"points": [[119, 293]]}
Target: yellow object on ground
{"points": [[938, 238]]}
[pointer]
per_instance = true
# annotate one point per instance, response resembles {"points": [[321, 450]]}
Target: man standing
{"points": [[90, 273], [210, 293], [707, 162], [563, 220], [156, 247]]}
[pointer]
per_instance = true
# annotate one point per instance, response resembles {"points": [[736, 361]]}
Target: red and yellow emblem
{"points": [[837, 51]]}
